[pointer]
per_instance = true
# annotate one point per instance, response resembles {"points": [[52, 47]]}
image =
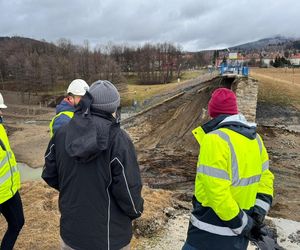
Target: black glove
{"points": [[258, 231], [248, 228], [258, 218]]}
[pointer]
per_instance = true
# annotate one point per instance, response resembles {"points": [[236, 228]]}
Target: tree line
{"points": [[31, 65]]}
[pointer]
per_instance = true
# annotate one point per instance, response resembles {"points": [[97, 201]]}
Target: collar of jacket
{"points": [[103, 114], [211, 125], [239, 124], [64, 106], [84, 106]]}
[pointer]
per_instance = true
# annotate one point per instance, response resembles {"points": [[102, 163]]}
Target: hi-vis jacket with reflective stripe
{"points": [[233, 178], [9, 173], [64, 113], [69, 114]]}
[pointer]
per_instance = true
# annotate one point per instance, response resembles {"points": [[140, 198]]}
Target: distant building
{"points": [[267, 61], [231, 58], [295, 59]]}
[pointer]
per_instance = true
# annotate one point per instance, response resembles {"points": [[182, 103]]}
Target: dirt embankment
{"points": [[163, 138], [278, 129]]}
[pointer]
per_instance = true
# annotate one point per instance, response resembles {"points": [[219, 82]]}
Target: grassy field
{"points": [[278, 86], [140, 92]]}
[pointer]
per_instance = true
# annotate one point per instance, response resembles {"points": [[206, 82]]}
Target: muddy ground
{"points": [[171, 151], [279, 127], [166, 149]]}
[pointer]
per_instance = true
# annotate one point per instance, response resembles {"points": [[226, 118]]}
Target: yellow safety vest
{"points": [[67, 113], [9, 173], [231, 170]]}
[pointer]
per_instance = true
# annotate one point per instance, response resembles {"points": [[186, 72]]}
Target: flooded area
{"points": [[28, 173]]}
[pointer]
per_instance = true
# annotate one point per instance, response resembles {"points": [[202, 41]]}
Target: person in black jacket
{"points": [[92, 163]]}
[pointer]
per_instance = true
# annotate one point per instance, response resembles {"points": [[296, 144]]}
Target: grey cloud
{"points": [[192, 23]]}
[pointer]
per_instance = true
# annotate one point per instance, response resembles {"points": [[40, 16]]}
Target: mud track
{"points": [[166, 148]]}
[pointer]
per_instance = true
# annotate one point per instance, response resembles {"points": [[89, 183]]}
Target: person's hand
{"points": [[258, 218], [258, 231]]}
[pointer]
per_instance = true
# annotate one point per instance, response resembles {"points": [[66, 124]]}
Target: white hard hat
{"points": [[78, 87], [2, 105]]}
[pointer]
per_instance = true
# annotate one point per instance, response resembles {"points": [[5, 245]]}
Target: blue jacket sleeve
{"points": [[60, 121]]}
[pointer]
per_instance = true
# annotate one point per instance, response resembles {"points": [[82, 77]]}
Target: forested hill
{"points": [[31, 65], [277, 43]]}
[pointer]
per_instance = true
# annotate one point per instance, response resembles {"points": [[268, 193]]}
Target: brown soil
{"points": [[284, 147], [170, 151], [41, 229]]}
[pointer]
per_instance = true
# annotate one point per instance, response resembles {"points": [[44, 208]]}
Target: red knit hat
{"points": [[222, 101]]}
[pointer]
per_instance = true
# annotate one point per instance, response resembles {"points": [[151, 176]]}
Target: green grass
{"points": [[191, 74], [141, 92], [274, 91]]}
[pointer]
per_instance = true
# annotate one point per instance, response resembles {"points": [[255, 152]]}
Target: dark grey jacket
{"points": [[92, 163]]}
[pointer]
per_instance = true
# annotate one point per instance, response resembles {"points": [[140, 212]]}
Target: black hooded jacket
{"points": [[92, 162]]}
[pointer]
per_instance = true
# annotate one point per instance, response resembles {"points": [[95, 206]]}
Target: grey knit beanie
{"points": [[106, 96]]}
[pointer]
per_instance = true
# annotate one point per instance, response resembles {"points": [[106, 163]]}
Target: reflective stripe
{"points": [[262, 204], [5, 160], [49, 151], [7, 175], [226, 231], [108, 208], [259, 143], [127, 187], [265, 166], [211, 228], [248, 181], [214, 172], [70, 114], [240, 229], [234, 165]]}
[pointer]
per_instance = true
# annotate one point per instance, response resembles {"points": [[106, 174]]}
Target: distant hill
{"points": [[29, 65], [268, 44], [11, 45]]}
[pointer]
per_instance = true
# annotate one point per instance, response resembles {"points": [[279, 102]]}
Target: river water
{"points": [[28, 173]]}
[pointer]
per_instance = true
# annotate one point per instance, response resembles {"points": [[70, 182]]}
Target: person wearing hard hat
{"points": [[10, 201], [233, 185], [65, 110]]}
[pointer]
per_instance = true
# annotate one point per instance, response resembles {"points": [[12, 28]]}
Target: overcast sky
{"points": [[194, 24]]}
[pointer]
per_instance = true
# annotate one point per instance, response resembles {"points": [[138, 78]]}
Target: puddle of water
{"points": [[28, 173]]}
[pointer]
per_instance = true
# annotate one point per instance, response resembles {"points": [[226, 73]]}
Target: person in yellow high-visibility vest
{"points": [[233, 186], [10, 201], [65, 110]]}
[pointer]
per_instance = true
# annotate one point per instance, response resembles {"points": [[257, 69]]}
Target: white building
{"points": [[295, 59]]}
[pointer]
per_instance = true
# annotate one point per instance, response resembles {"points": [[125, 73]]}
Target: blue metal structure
{"points": [[234, 69]]}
